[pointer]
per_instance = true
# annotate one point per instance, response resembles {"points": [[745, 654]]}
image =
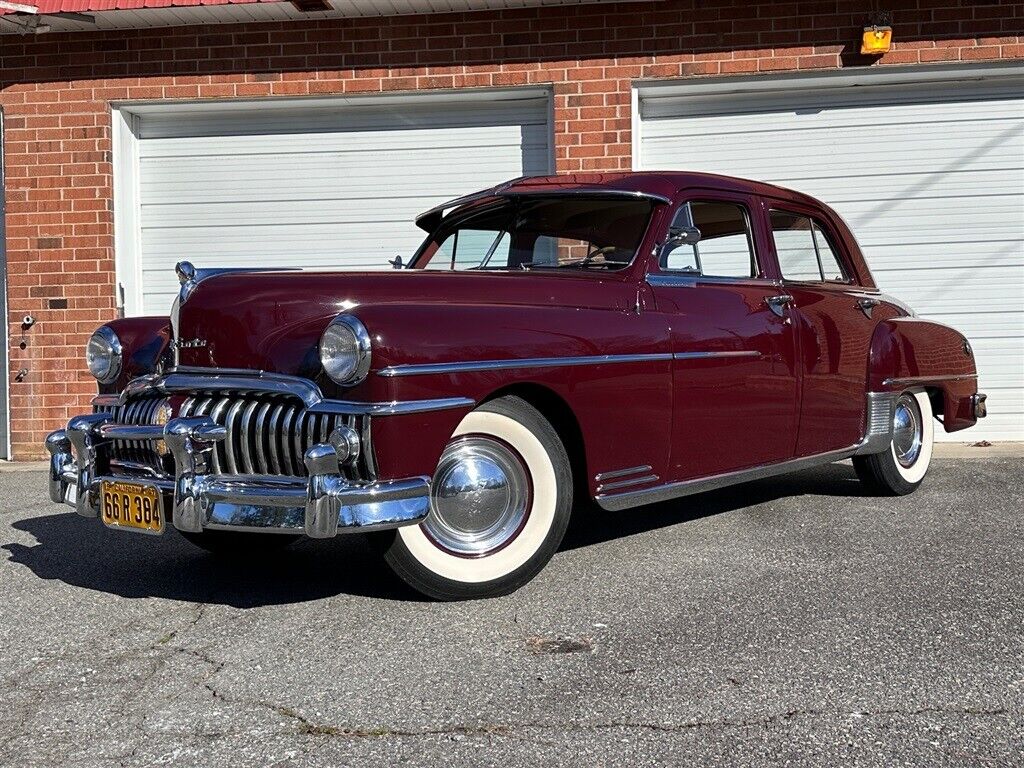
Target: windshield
{"points": [[550, 233]]}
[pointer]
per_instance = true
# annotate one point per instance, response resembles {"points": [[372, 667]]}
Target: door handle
{"points": [[867, 305], [778, 304]]}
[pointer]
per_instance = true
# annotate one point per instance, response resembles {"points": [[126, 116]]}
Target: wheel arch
{"points": [[560, 414]]}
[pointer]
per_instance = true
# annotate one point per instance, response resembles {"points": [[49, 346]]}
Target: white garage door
{"points": [[930, 177], [316, 184]]}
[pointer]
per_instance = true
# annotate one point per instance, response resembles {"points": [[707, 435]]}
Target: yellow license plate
{"points": [[131, 505]]}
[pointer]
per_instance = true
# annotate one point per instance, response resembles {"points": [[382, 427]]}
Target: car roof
{"points": [[661, 186]]}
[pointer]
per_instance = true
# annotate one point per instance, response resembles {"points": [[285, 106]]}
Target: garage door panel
{"points": [[197, 180], [334, 185], [930, 178], [346, 141]]}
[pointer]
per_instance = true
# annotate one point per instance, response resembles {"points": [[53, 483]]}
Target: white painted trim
{"points": [[634, 127], [127, 248]]}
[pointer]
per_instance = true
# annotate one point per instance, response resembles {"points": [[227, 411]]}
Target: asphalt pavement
{"points": [[789, 621]]}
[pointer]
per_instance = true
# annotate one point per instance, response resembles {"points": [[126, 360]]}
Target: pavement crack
{"points": [[309, 727]]}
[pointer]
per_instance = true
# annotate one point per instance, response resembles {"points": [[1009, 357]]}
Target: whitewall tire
{"points": [[501, 498], [900, 469]]}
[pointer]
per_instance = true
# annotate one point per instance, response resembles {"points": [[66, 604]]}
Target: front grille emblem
{"points": [[188, 343]]}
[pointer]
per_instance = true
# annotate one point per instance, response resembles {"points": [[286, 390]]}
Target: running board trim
{"points": [[618, 501]]}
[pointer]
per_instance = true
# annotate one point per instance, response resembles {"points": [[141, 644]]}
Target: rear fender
{"points": [[907, 352]]}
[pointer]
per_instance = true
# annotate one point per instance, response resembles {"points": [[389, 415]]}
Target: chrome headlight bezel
{"points": [[104, 346], [352, 366]]}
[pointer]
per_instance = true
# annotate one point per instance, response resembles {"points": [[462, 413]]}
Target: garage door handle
{"points": [[866, 305]]}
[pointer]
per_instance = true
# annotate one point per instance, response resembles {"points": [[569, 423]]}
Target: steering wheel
{"points": [[599, 252]]}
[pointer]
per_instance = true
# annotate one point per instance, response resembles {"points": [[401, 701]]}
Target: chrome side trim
{"points": [[645, 480], [877, 437], [526, 362], [910, 380], [708, 355], [195, 380], [878, 424], [622, 472], [618, 501]]}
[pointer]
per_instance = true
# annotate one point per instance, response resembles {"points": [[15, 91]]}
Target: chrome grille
{"points": [[266, 434], [140, 411], [269, 435]]}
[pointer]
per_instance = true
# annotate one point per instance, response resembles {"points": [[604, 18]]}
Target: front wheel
{"points": [[900, 470], [500, 502]]}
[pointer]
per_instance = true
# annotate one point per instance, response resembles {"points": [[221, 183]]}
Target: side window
{"points": [[831, 266], [804, 251], [726, 244], [467, 249]]}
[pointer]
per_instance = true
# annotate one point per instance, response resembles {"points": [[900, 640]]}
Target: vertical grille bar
{"points": [[275, 429], [266, 434]]}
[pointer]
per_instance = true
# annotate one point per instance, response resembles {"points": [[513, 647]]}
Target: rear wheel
{"points": [[900, 470], [500, 502]]}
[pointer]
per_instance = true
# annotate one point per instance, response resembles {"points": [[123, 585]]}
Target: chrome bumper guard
{"points": [[321, 506]]}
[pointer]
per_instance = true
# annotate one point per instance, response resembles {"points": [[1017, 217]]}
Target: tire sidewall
{"points": [[915, 473], [441, 574]]}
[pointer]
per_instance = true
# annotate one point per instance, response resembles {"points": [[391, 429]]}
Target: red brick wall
{"points": [[55, 92]]}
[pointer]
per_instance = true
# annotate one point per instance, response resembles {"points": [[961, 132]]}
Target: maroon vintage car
{"points": [[628, 337]]}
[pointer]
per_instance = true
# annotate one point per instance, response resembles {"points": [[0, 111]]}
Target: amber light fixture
{"points": [[876, 41]]}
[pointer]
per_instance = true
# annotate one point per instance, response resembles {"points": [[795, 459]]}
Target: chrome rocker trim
{"points": [[321, 506], [877, 438], [192, 380]]}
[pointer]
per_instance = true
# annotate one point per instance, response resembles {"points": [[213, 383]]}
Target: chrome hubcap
{"points": [[480, 497], [907, 433]]}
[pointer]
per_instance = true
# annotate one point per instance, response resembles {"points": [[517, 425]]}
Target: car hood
{"points": [[273, 320]]}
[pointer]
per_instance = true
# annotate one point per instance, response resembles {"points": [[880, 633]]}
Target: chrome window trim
{"points": [[526, 362], [191, 380], [682, 279], [751, 244]]}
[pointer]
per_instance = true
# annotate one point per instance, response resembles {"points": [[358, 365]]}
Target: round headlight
{"points": [[103, 355], [345, 350]]}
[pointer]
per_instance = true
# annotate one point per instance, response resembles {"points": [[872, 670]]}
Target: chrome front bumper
{"points": [[322, 505]]}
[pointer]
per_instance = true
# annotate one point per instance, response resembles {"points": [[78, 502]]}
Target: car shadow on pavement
{"points": [[83, 553], [596, 525]]}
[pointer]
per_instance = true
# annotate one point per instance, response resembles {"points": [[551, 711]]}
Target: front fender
{"points": [[623, 409], [145, 342], [910, 352]]}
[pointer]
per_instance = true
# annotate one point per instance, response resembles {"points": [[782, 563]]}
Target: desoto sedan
{"points": [[622, 338]]}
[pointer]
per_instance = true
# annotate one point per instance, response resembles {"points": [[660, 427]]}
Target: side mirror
{"points": [[396, 263], [683, 236], [678, 236]]}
